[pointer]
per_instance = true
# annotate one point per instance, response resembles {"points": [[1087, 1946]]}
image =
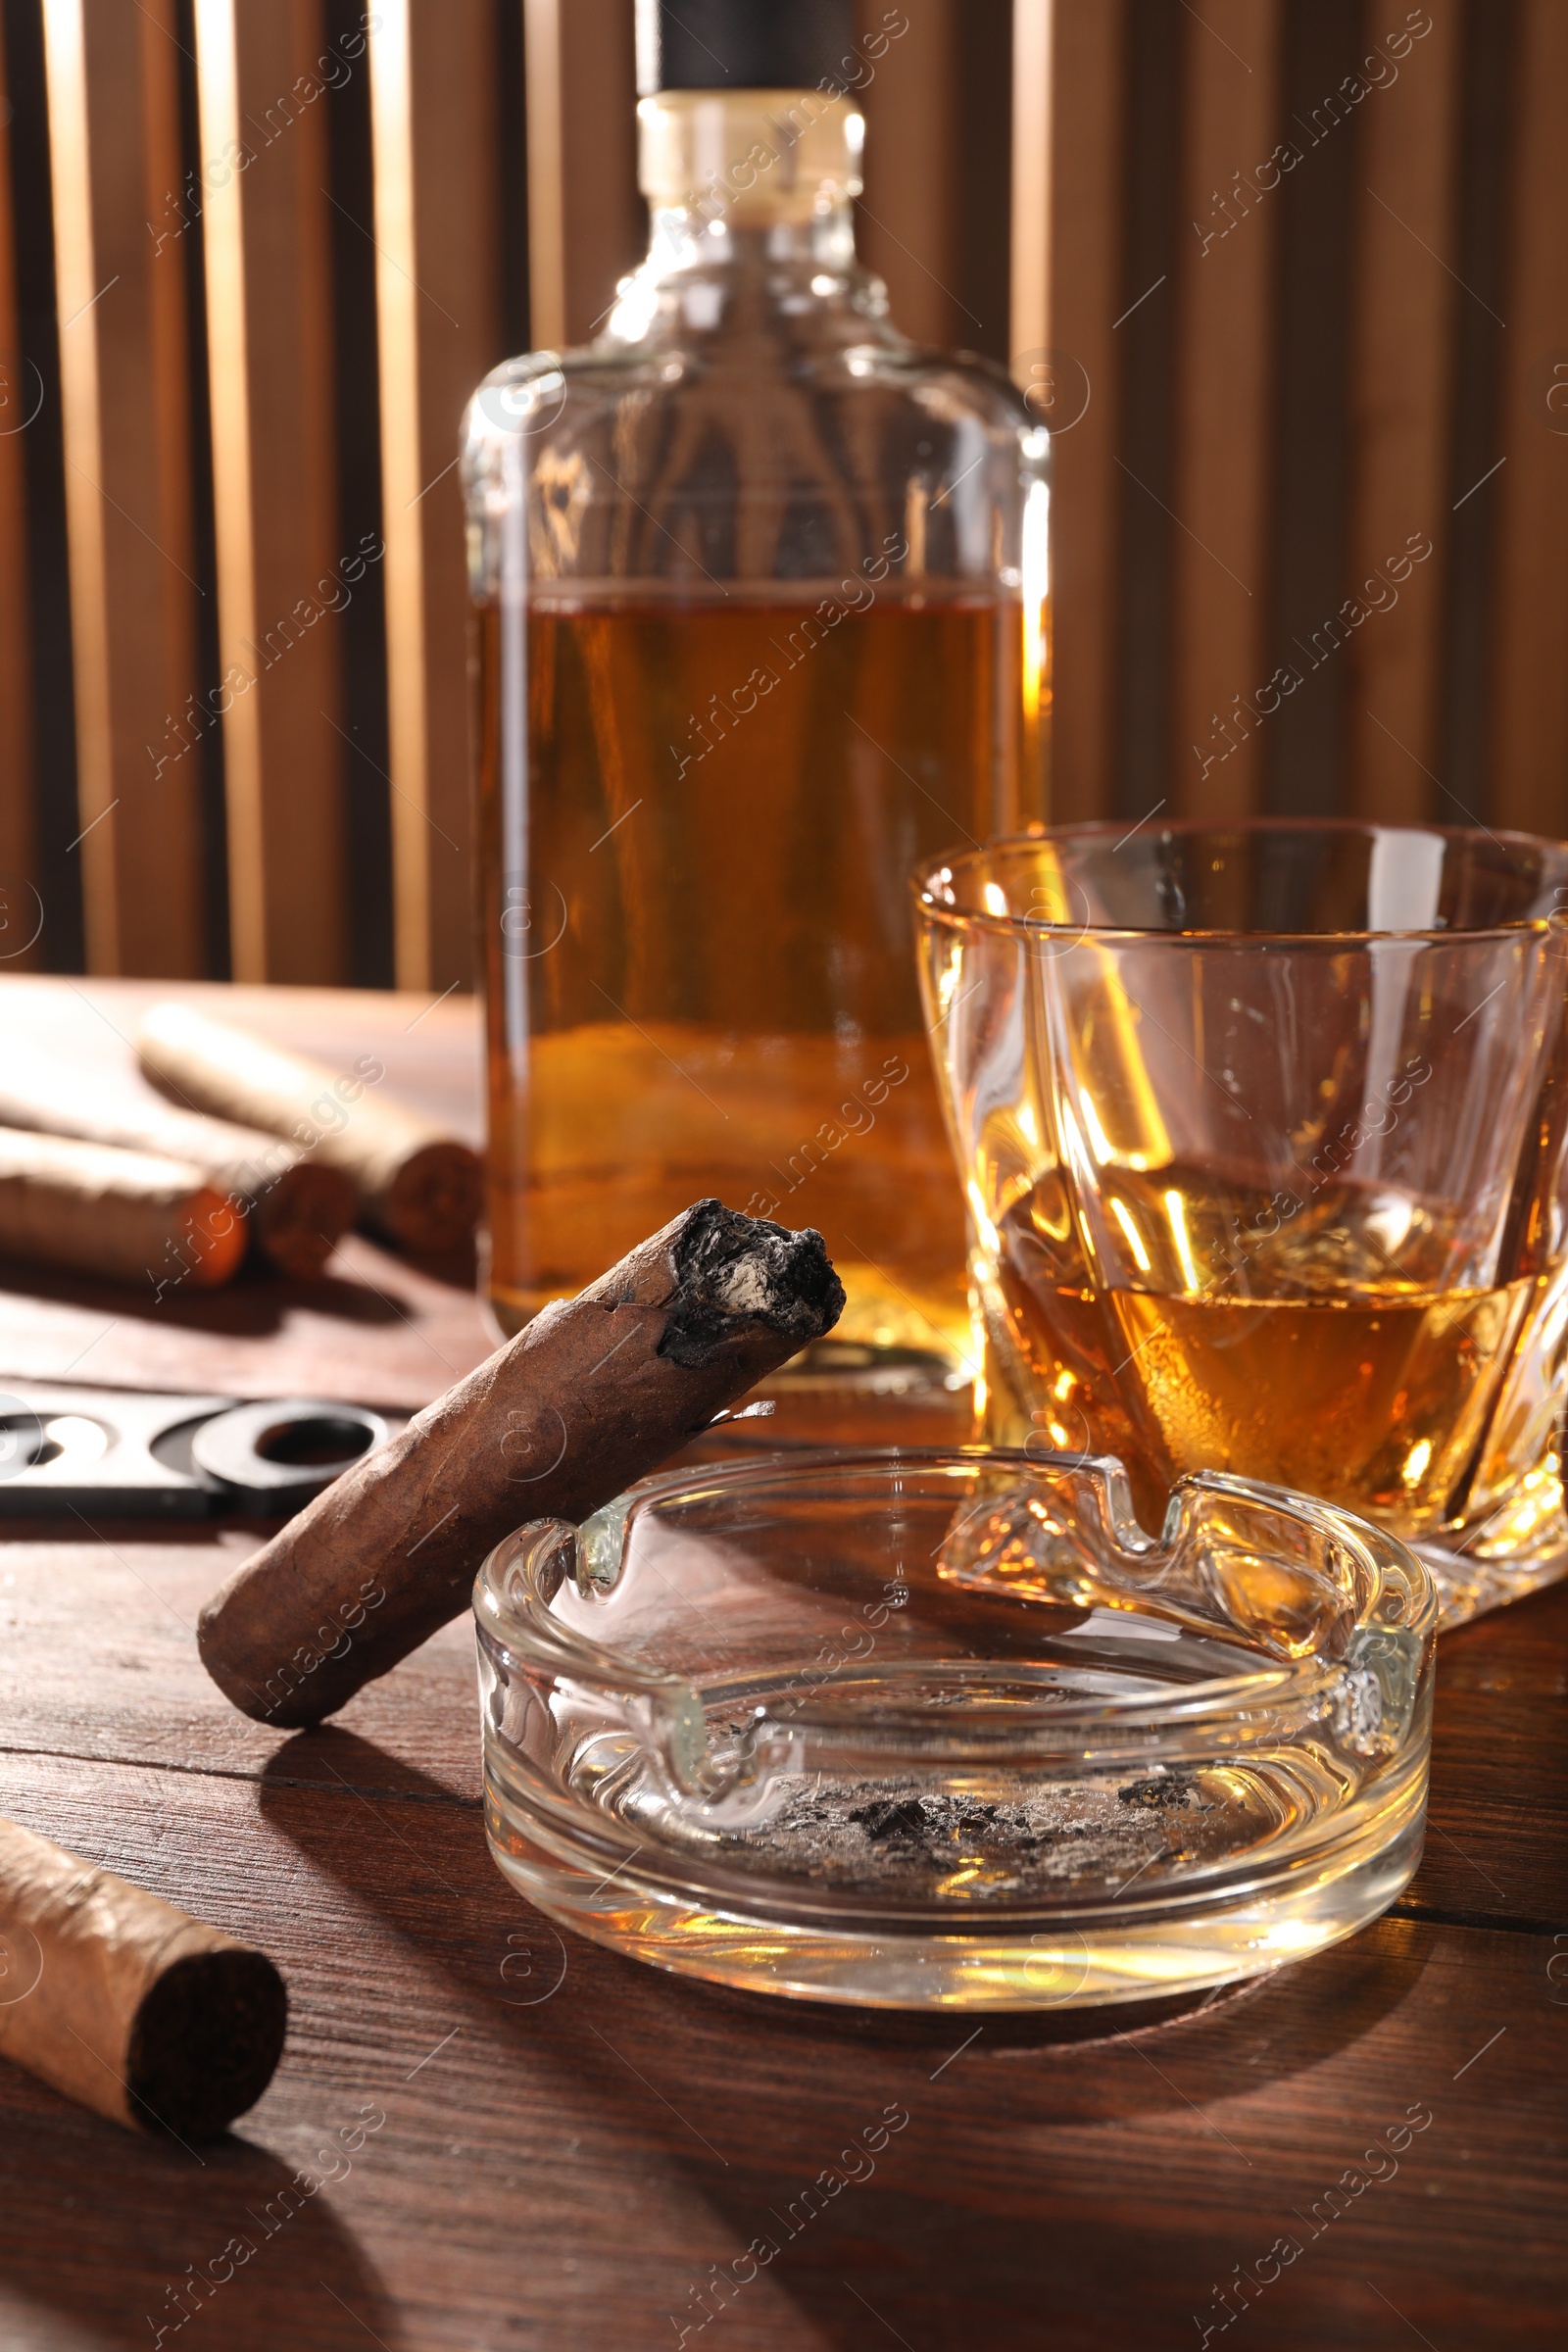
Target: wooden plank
{"points": [[1497, 1826], [281, 575], [586, 223], [433, 101], [1035, 294], [151, 1703], [1122, 2176], [906, 223], [1400, 400], [1066, 244], [114, 149], [1527, 764], [20, 909], [1224, 444]]}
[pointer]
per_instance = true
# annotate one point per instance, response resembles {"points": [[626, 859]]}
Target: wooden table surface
{"points": [[559, 2145]]}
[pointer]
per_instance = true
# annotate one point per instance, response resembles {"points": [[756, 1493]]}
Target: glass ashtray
{"points": [[948, 1729]]}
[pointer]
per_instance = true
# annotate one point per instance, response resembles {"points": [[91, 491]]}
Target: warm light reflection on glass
{"points": [[1036, 566], [1176, 1211], [1097, 1134], [1134, 1240], [1143, 1140], [1034, 584], [995, 899], [987, 1230]]}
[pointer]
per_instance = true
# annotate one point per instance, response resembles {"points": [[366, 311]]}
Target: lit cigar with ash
{"points": [[595, 1393]]}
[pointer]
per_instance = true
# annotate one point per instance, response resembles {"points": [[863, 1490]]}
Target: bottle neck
{"points": [[769, 176], [685, 237]]}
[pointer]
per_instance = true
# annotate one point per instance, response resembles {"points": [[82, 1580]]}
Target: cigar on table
{"points": [[595, 1393], [125, 2004], [296, 1208], [416, 1182], [121, 1213]]}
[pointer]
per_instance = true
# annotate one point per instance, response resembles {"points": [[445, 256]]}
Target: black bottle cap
{"points": [[744, 44]]}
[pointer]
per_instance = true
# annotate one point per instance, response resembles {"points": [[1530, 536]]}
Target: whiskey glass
{"points": [[1261, 1132], [946, 1728]]}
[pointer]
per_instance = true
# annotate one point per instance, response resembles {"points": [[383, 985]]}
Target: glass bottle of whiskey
{"points": [[761, 608]]}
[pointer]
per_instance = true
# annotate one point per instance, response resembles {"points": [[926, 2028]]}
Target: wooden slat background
{"points": [[1530, 610], [1223, 289], [280, 572], [1353, 387], [1294, 273], [434, 101], [115, 144], [585, 217], [1400, 418], [18, 832]]}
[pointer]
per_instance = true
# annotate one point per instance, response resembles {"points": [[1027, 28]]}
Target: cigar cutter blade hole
{"points": [[28, 1442], [285, 1452], [23, 1440]]}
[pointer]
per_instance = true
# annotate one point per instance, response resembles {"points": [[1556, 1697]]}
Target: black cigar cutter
{"points": [[115, 1453]]}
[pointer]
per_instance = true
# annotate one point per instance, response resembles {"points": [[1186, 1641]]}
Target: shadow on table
{"points": [[257, 1303], [110, 2230], [253, 1305], [435, 1848]]}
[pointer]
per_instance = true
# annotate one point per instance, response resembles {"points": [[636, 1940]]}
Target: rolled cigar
{"points": [[416, 1182], [596, 1392], [121, 1213], [124, 2002], [297, 1209]]}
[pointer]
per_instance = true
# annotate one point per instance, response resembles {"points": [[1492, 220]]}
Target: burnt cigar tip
{"points": [[732, 1269], [206, 2040]]}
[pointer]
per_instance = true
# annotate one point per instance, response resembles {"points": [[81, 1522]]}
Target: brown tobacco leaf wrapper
{"points": [[124, 2002], [296, 1209], [597, 1392], [416, 1182], [121, 1213]]}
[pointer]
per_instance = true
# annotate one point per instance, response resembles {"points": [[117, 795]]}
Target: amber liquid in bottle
{"points": [[699, 954], [1378, 1394]]}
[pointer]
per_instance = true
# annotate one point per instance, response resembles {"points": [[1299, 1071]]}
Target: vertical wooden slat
{"points": [[1402, 371], [433, 104], [19, 908], [1066, 240], [586, 225], [908, 220], [1034, 244], [1527, 780], [280, 574], [1224, 446], [981, 98], [113, 140]]}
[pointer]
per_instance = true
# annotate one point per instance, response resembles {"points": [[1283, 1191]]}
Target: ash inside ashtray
{"points": [[904, 1838]]}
